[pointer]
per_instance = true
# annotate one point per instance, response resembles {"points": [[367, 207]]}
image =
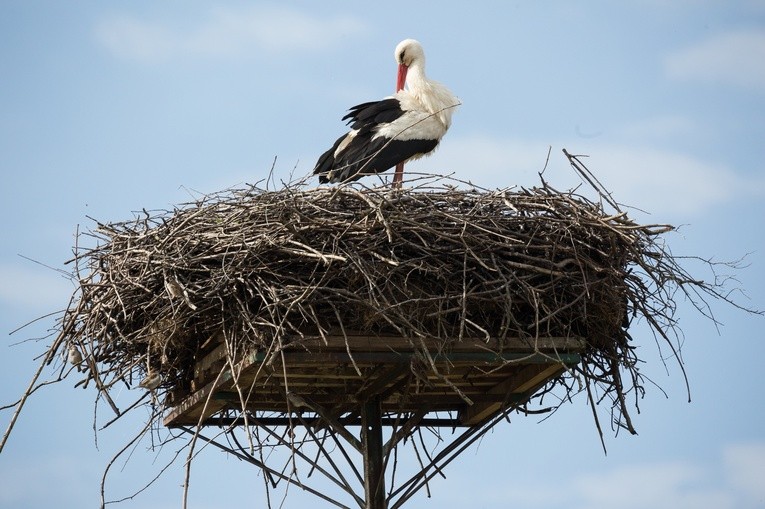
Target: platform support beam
{"points": [[372, 450]]}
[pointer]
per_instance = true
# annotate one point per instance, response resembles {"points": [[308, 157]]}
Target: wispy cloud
{"points": [[734, 58], [734, 482], [676, 485], [745, 468], [665, 181], [660, 181], [255, 31], [661, 129]]}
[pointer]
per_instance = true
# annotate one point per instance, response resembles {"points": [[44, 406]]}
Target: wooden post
{"points": [[372, 449]]}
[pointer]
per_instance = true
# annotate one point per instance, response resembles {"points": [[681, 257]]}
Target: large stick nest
{"points": [[427, 261]]}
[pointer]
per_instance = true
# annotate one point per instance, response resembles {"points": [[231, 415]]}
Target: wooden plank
{"points": [[190, 410], [360, 342], [526, 382], [206, 363], [308, 359], [466, 350], [327, 374]]}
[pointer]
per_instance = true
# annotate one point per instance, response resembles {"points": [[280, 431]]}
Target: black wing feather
{"points": [[374, 113], [363, 155], [367, 157]]}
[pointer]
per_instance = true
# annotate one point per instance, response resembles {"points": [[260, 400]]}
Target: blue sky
{"points": [[106, 108]]}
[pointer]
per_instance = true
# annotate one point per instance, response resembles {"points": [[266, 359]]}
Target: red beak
{"points": [[398, 176], [401, 77]]}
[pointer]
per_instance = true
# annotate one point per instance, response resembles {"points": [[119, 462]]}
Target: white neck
{"points": [[433, 96]]}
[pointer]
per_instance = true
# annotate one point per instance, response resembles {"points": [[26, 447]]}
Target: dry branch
{"points": [[430, 261]]}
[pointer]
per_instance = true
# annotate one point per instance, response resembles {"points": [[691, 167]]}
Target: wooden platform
{"points": [[332, 376]]}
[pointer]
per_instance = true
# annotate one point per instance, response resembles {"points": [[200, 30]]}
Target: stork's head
{"points": [[408, 52]]}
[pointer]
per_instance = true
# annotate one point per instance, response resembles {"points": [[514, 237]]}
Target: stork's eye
{"points": [[401, 56]]}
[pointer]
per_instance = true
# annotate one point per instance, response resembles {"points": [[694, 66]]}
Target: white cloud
{"points": [[664, 181], [488, 161], [660, 129], [732, 481], [745, 468], [254, 31], [676, 485], [734, 58], [660, 181], [736, 481]]}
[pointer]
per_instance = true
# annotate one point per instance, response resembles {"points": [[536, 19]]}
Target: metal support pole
{"points": [[372, 449]]}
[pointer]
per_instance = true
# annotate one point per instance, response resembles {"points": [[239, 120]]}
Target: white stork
{"points": [[394, 130]]}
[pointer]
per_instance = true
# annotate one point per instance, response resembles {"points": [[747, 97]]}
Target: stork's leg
{"points": [[398, 177]]}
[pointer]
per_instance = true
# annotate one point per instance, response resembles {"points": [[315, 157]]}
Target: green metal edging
{"points": [[399, 357]]}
